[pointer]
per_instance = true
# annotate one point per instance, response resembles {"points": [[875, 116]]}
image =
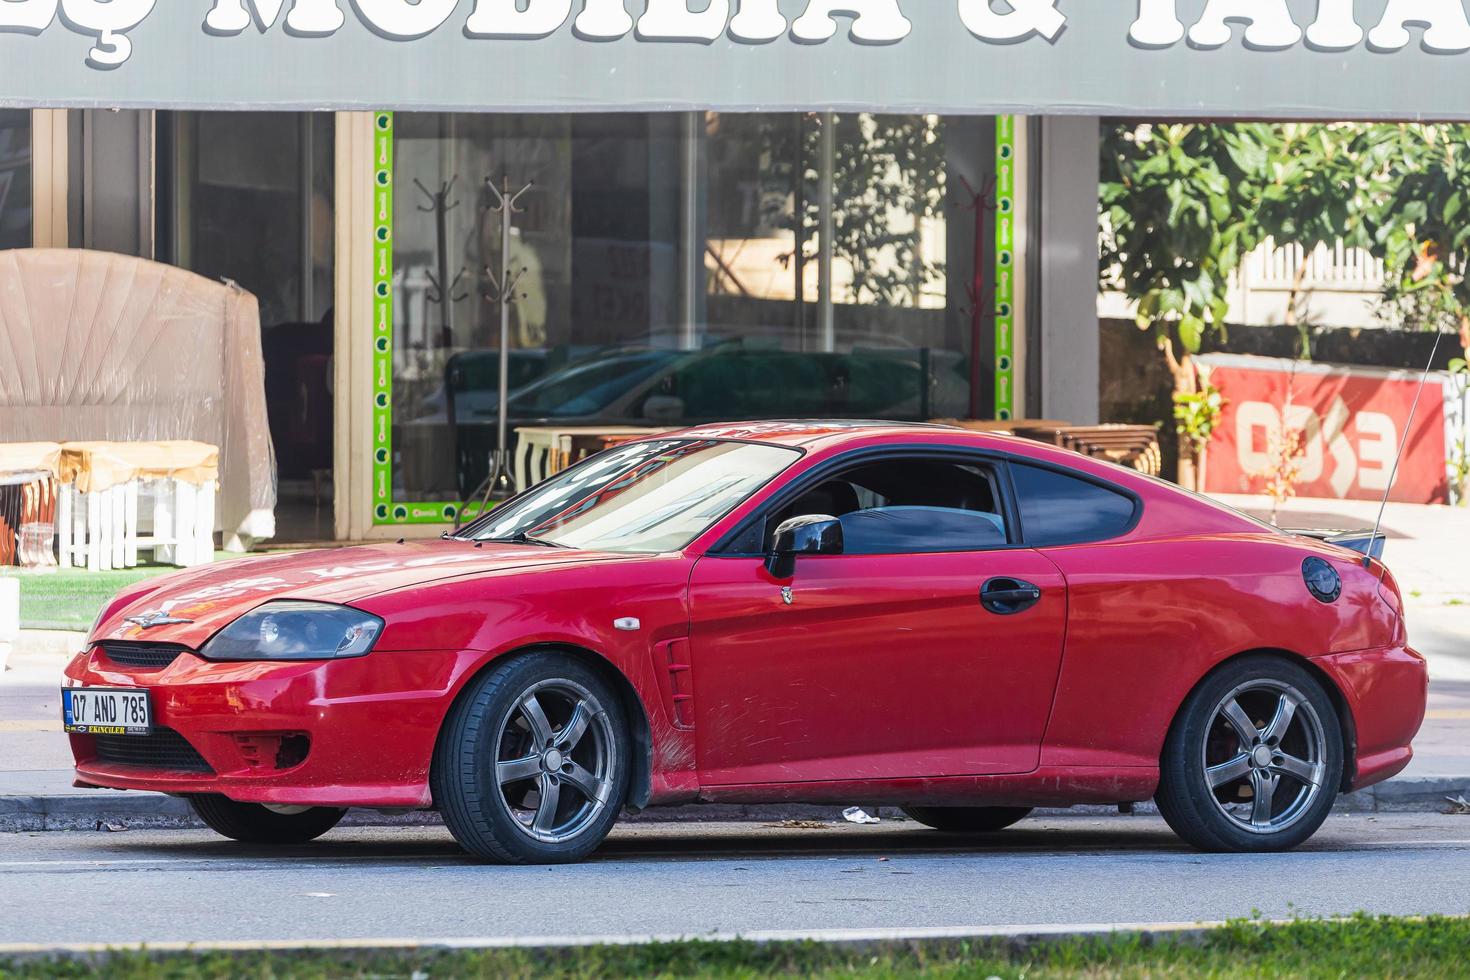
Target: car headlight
{"points": [[293, 630]]}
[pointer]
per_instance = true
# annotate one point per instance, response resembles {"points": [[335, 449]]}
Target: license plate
{"points": [[105, 711]]}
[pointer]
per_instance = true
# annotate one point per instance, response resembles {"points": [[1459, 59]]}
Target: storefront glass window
{"points": [[249, 197], [15, 178], [675, 269]]}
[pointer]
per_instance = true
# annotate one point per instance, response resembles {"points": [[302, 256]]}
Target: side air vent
{"points": [[675, 677]]}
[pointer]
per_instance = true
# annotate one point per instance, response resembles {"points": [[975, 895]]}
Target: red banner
{"points": [[1350, 421]]}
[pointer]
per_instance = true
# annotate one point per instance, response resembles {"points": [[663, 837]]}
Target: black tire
{"points": [[1226, 817], [252, 823], [489, 728], [968, 819]]}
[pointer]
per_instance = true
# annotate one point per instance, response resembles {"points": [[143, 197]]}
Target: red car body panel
{"points": [[871, 647], [883, 680]]}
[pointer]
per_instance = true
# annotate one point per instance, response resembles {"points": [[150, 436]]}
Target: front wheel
{"points": [[968, 819], [252, 823], [1254, 760], [533, 764]]}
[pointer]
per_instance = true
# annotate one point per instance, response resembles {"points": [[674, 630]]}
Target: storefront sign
{"points": [[1005, 268], [1349, 420], [1300, 58]]}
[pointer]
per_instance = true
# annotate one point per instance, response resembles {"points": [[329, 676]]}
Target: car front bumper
{"points": [[357, 732]]}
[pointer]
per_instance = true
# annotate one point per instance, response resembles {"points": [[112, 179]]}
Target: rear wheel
{"points": [[968, 819], [1254, 759], [533, 764], [253, 823]]}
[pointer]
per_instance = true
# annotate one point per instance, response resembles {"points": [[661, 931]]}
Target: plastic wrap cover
{"points": [[29, 457], [97, 346]]}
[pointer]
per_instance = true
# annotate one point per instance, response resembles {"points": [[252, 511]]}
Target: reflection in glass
{"points": [[250, 197], [628, 213]]}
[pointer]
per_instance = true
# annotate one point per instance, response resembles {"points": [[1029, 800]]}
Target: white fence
{"points": [[1335, 267], [1339, 287]]}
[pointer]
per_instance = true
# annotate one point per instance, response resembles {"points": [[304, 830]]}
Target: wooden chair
{"points": [[1136, 446]]}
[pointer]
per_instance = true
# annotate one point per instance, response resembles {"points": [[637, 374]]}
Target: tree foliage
{"points": [[1421, 221], [1179, 206], [1183, 203]]}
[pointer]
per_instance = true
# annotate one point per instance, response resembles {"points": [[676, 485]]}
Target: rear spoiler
{"points": [[1364, 542]]}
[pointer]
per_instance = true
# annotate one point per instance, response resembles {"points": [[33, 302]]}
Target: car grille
{"points": [[150, 656], [163, 748]]}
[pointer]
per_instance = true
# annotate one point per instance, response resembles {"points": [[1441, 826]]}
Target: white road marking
{"points": [[722, 854]]}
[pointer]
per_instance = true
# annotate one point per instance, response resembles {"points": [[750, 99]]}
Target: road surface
{"points": [[664, 880]]}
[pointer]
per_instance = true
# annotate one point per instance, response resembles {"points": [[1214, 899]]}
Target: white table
{"points": [[108, 484], [100, 530]]}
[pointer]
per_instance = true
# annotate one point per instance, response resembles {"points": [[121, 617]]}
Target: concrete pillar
{"points": [[111, 186], [9, 617], [1063, 358]]}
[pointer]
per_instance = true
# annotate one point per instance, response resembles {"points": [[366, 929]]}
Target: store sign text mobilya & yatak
{"points": [[1151, 24]]}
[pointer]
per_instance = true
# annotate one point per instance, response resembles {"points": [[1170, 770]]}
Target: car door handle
{"points": [[1008, 596]]}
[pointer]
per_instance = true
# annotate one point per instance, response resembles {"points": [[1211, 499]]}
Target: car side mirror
{"points": [[814, 534]]}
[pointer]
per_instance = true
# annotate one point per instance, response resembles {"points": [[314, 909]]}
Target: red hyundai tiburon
{"points": [[966, 626]]}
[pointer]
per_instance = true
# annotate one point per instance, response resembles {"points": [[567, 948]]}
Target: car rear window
{"points": [[1058, 509]]}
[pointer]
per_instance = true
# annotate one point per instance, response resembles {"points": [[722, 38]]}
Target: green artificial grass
{"points": [[70, 598], [1363, 946]]}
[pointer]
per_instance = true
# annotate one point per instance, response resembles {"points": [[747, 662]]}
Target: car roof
{"points": [[1168, 508], [811, 433]]}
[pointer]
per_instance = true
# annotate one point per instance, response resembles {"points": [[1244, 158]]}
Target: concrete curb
{"points": [[109, 809]]}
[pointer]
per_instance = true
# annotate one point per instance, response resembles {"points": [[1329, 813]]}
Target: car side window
{"points": [[906, 506], [1058, 509]]}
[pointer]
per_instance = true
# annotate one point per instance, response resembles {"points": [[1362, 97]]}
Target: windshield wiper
{"points": [[521, 537]]}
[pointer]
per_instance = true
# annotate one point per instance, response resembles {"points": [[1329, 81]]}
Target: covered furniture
{"points": [[103, 485], [103, 347], [28, 472]]}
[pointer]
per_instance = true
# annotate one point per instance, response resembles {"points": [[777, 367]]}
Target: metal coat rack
{"points": [[443, 287], [501, 484], [982, 202]]}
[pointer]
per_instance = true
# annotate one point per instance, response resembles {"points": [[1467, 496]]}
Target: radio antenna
{"points": [[1403, 444]]}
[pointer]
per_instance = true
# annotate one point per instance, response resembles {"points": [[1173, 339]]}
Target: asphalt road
{"points": [[663, 880]]}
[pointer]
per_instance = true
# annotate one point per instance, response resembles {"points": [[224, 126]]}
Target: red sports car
{"points": [[965, 626]]}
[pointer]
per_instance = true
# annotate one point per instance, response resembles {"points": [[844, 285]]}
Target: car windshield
{"points": [[645, 497]]}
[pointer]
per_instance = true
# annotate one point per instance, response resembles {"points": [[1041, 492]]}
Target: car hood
{"points": [[203, 600]]}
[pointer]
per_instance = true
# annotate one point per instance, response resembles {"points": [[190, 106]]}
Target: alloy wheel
{"points": [[554, 761], [1265, 756]]}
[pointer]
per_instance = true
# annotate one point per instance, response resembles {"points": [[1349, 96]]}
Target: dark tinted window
{"points": [[919, 531], [897, 506], [1060, 509]]}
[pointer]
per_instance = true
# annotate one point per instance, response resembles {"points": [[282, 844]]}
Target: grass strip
{"points": [[70, 599], [1363, 945]]}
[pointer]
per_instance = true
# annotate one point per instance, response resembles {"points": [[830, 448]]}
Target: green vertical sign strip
{"points": [[384, 511], [1005, 268]]}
